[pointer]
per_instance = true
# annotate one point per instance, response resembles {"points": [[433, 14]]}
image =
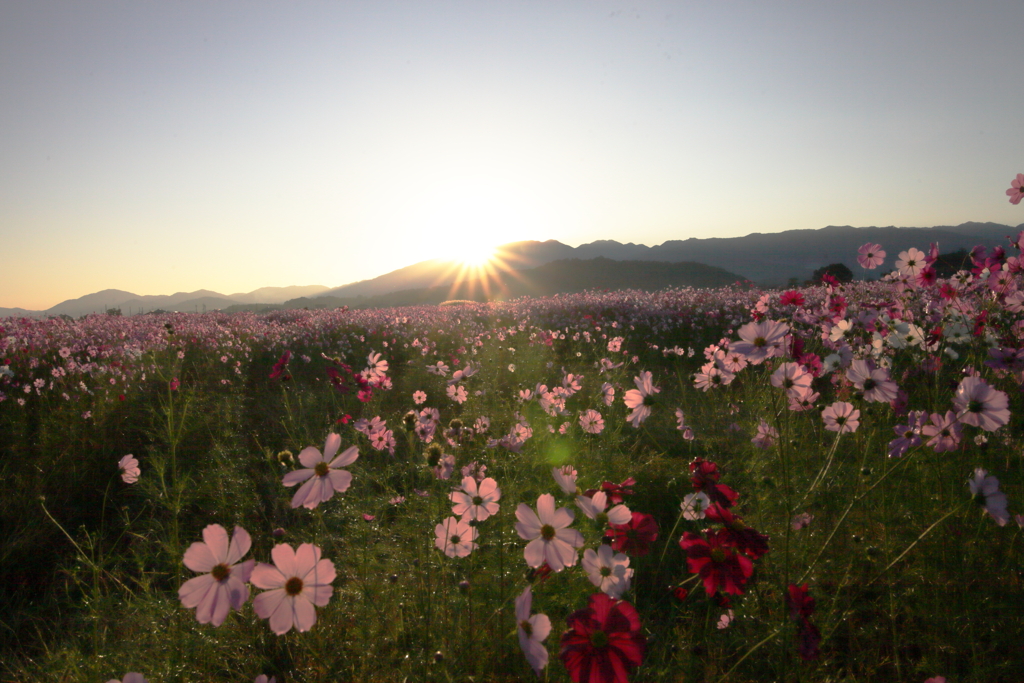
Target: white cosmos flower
{"points": [[549, 539], [608, 570]]}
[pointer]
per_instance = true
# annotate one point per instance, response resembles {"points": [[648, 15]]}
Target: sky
{"points": [[160, 147]]}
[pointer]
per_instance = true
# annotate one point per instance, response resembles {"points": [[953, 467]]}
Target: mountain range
{"points": [[769, 259]]}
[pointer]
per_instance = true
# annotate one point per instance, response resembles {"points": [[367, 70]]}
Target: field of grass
{"points": [[910, 573]]}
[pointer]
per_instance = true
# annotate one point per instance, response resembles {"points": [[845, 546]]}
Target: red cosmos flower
{"points": [[636, 536], [792, 298], [280, 365], [800, 602], [615, 492], [602, 641], [753, 543], [717, 562], [704, 477]]}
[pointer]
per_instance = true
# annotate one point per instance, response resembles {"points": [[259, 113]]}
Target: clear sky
{"points": [[168, 146]]}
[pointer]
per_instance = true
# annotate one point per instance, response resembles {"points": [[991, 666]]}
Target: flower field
{"points": [[820, 484]]}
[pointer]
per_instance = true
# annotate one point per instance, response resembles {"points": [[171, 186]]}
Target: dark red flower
{"points": [[680, 593], [753, 543], [809, 638], [603, 641], [634, 537], [717, 562], [615, 492], [800, 602], [280, 366], [704, 477]]}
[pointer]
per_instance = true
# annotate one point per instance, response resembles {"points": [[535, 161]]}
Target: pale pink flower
{"points": [[222, 586], [262, 678], [438, 368], [725, 620], [793, 378], [694, 505], [801, 520], [549, 538], [322, 478], [1016, 191], [870, 256], [445, 466], [382, 439], [565, 477], [594, 508], [607, 393], [935, 679], [980, 405], [131, 677], [615, 345], [873, 381], [943, 433], [296, 582], [592, 422], [608, 570], [129, 467], [455, 538], [760, 340], [476, 501], [377, 367], [985, 490], [911, 262], [766, 435], [532, 630], [419, 397], [641, 399], [804, 401], [841, 417], [457, 393]]}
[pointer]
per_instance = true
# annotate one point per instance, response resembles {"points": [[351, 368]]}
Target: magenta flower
{"points": [[1016, 191], [603, 641], [129, 467], [870, 256], [455, 538], [549, 538], [322, 478], [841, 417], [980, 405], [296, 582], [532, 629], [222, 586]]}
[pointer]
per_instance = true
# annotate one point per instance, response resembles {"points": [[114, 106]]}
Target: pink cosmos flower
{"points": [[641, 399], [455, 538], [594, 508], [476, 501], [870, 256], [911, 262], [841, 417], [985, 490], [1016, 191], [766, 435], [457, 393], [592, 422], [607, 393], [419, 397], [222, 586], [793, 378], [322, 478], [129, 467], [130, 678], [296, 582], [550, 541], [607, 570], [565, 477], [874, 382], [980, 405], [532, 630], [760, 340], [943, 433]]}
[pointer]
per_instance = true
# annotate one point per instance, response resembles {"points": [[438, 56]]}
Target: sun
{"points": [[475, 254]]}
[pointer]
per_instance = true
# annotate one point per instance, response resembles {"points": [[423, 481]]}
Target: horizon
{"points": [[233, 146]]}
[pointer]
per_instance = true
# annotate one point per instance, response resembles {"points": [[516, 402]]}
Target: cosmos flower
{"points": [[594, 508], [760, 340], [419, 397], [870, 256], [550, 541], [841, 417], [607, 570], [694, 505], [532, 630], [985, 490], [565, 477], [1016, 191], [603, 641], [635, 536], [129, 467], [322, 478], [641, 399], [873, 381], [222, 586], [455, 538], [592, 422], [130, 678], [911, 262], [980, 405], [716, 561], [296, 582], [476, 501], [943, 433]]}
